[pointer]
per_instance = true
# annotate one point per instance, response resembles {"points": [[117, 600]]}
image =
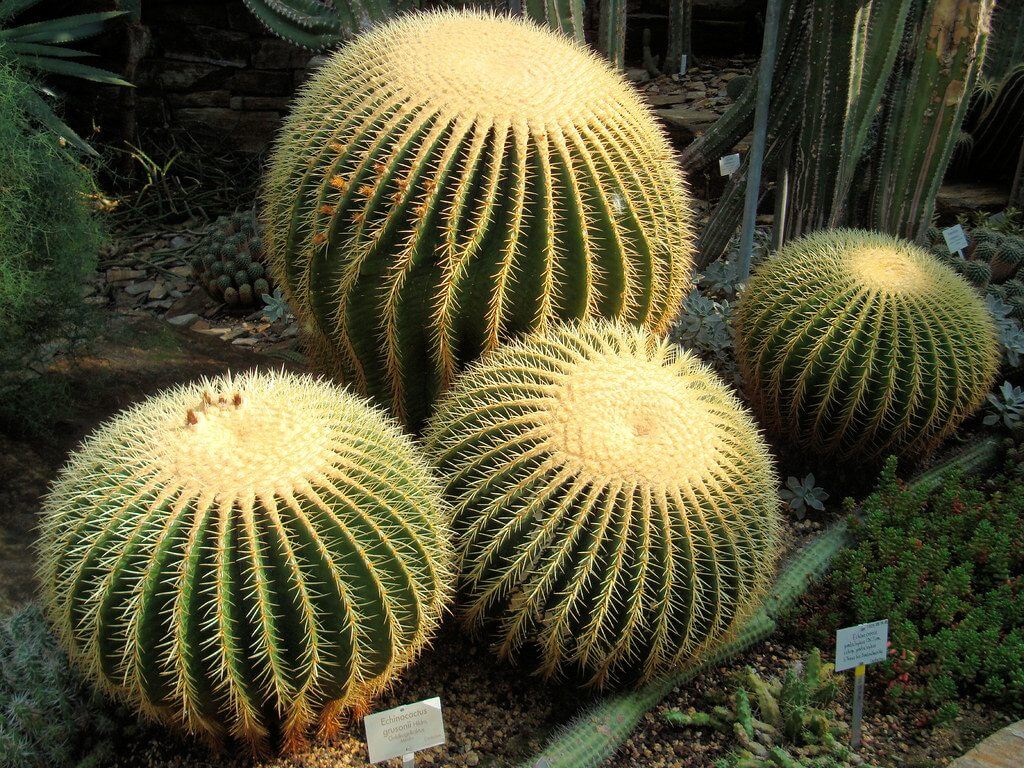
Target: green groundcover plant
{"points": [[947, 570], [48, 716], [49, 239]]}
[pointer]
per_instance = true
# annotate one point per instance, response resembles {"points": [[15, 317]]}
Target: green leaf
{"points": [[62, 30], [41, 111], [73, 69], [40, 49]]}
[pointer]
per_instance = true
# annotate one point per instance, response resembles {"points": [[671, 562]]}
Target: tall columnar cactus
{"points": [[320, 24], [929, 96], [483, 177], [857, 344], [615, 505], [246, 556]]}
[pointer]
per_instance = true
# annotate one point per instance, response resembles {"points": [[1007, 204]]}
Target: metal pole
{"points": [[766, 71], [858, 706]]}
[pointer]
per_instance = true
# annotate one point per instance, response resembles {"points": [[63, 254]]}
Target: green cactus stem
{"points": [[415, 225], [249, 556], [856, 344], [615, 506]]}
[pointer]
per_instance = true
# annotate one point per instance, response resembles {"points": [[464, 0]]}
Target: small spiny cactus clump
{"points": [[615, 505], [857, 344], [246, 556], [481, 177], [231, 266]]}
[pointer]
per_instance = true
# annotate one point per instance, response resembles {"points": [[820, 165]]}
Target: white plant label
{"points": [[729, 164], [956, 240], [404, 730], [682, 65], [862, 644]]}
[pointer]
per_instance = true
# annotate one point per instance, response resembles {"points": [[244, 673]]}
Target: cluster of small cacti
{"points": [[231, 265], [992, 263], [780, 722], [247, 556], [615, 505], [856, 344], [485, 177]]}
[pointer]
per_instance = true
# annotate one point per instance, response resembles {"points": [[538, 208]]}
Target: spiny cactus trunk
{"points": [[834, 60], [680, 35], [565, 16], [928, 100], [611, 31], [1005, 49]]}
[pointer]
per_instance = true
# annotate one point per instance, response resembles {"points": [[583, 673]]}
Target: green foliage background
{"points": [[49, 239]]}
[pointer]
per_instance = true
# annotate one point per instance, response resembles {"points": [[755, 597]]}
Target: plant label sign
{"points": [[956, 239], [403, 731], [729, 164], [863, 644]]}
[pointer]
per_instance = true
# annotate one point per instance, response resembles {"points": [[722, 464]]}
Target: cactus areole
{"points": [[247, 556], [452, 179], [615, 505], [857, 344]]}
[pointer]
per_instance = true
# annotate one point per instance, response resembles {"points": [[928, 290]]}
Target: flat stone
{"points": [[637, 75], [245, 341], [182, 320], [1003, 749], [137, 289], [661, 100], [121, 275], [158, 292]]}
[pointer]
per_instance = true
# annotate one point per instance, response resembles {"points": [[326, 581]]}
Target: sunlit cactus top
{"points": [[615, 504], [860, 344], [250, 556], [451, 179]]}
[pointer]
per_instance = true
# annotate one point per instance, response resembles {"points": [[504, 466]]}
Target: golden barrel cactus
{"points": [[857, 344], [248, 556], [615, 505], [451, 179]]}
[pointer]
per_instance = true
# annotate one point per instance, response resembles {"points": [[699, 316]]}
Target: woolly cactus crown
{"points": [[248, 555], [859, 344], [615, 504], [451, 179]]}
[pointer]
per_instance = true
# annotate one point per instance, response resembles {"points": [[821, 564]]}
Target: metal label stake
{"points": [[858, 706]]}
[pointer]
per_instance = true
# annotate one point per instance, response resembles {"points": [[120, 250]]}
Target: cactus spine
{"points": [[483, 177], [614, 503], [246, 556], [858, 344]]}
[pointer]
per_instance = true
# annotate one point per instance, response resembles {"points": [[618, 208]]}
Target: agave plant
{"points": [[40, 47]]}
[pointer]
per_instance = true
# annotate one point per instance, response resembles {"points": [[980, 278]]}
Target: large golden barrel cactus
{"points": [[615, 505], [451, 179], [857, 344], [246, 556]]}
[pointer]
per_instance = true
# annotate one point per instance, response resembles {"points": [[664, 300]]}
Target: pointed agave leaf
{"points": [[41, 49], [63, 30], [40, 110], [73, 69]]}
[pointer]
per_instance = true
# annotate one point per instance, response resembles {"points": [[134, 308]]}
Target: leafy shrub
{"points": [[48, 718], [48, 242], [947, 570]]}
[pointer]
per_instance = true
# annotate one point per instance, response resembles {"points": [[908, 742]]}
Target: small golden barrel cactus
{"points": [[615, 505], [451, 179], [246, 556], [857, 344]]}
